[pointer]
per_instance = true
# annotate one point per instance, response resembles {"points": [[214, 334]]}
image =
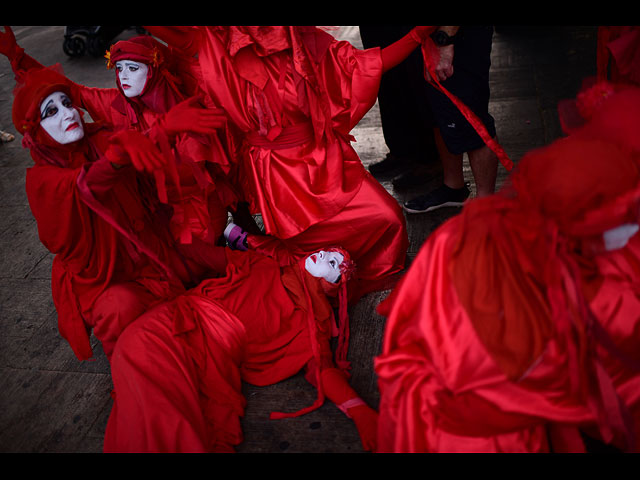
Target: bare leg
{"points": [[451, 164], [484, 165]]}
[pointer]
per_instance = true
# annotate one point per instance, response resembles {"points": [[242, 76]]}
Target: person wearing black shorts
{"points": [[405, 114], [465, 59]]}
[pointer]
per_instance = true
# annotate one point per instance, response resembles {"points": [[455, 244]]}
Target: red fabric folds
{"points": [[507, 322], [618, 54], [272, 81]]}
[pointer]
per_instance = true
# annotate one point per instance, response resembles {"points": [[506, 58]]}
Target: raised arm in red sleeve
{"points": [[401, 49]]}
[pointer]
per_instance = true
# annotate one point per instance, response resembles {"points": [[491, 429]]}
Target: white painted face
{"points": [[133, 77], [618, 237], [324, 265], [60, 119]]}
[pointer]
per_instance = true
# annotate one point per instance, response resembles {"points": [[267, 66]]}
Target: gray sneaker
{"points": [[443, 196]]}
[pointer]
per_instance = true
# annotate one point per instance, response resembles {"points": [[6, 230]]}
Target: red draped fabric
{"points": [[618, 53], [513, 320], [295, 93], [251, 324], [95, 249]]}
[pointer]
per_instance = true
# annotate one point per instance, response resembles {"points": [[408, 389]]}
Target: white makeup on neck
{"points": [[618, 237], [60, 119], [133, 77], [324, 265]]}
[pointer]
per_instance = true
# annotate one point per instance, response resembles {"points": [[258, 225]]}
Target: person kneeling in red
{"points": [[516, 328], [113, 252]]}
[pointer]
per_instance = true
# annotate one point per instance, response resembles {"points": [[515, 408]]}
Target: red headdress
{"points": [[32, 87], [162, 89]]}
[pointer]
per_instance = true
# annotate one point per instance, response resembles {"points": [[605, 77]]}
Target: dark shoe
{"points": [[443, 196], [416, 176], [391, 165]]}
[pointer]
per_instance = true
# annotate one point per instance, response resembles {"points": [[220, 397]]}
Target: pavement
{"points": [[51, 402]]}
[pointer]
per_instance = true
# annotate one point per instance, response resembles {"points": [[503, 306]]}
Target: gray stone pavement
{"points": [[50, 402]]}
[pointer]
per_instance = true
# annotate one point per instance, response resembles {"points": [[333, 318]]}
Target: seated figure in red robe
{"points": [[178, 370], [516, 328], [114, 254]]}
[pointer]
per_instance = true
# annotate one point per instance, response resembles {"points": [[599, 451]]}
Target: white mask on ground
{"points": [[324, 265]]}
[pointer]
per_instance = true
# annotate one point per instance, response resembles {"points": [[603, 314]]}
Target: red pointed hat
{"points": [[142, 49]]}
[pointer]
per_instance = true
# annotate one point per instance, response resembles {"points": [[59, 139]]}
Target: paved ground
{"points": [[50, 402]]}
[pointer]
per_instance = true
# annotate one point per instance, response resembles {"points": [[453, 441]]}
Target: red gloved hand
{"points": [[8, 44], [191, 116], [338, 390], [131, 147]]}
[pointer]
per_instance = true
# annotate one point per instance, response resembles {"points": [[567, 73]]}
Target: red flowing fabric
{"points": [[270, 80], [91, 252], [618, 53], [176, 383], [535, 338], [253, 323], [195, 183]]}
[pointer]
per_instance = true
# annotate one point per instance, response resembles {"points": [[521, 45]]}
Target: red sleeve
{"points": [[399, 50], [22, 61], [98, 102]]}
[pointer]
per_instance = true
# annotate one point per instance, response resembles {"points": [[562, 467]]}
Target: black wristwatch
{"points": [[442, 39]]}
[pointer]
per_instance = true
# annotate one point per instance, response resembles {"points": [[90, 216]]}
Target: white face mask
{"points": [[133, 77], [60, 119], [618, 237], [324, 265]]}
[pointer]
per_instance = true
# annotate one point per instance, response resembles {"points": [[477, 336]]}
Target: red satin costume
{"points": [[618, 53], [113, 257], [195, 183], [261, 322], [514, 329], [295, 93]]}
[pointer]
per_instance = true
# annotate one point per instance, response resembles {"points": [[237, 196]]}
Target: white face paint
{"points": [[133, 77], [618, 237], [60, 119], [324, 265]]}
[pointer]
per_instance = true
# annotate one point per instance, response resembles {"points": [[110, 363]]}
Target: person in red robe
{"points": [[516, 327], [159, 98], [178, 370], [295, 93], [114, 255]]}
